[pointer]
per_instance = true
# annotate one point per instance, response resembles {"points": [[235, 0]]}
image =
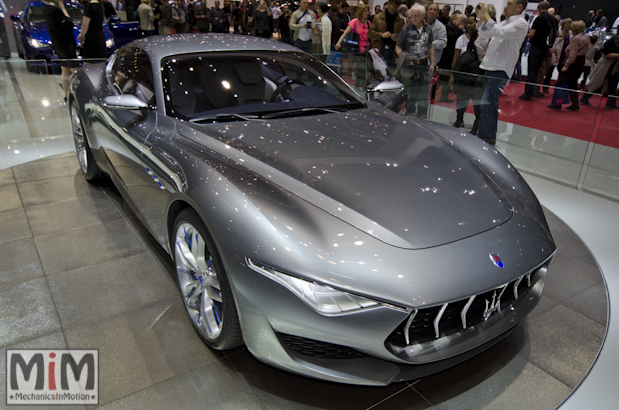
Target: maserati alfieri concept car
{"points": [[333, 237]]}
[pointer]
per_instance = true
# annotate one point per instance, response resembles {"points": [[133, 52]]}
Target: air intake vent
{"points": [[319, 349]]}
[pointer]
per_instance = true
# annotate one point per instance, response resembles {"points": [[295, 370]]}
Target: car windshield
{"points": [[36, 15], [211, 87]]}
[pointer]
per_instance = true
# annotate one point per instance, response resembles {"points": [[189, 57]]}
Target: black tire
{"points": [[189, 235], [87, 162]]}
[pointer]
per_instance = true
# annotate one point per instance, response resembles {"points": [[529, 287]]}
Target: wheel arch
{"points": [[174, 210]]}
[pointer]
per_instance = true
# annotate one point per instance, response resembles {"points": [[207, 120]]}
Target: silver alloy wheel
{"points": [[198, 281], [78, 139]]}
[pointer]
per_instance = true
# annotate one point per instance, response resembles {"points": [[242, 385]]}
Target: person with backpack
{"points": [[466, 76], [542, 36]]}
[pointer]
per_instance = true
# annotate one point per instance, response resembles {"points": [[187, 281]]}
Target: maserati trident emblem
{"points": [[496, 260]]}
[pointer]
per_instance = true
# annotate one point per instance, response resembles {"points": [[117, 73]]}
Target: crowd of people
{"points": [[433, 47], [573, 48]]}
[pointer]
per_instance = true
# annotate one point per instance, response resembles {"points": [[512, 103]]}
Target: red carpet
{"points": [[589, 123]]}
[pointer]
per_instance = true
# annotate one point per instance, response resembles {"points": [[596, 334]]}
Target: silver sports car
{"points": [[334, 238]]}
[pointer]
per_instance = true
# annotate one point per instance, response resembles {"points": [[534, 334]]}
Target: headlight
{"points": [[36, 43], [109, 43], [323, 299]]}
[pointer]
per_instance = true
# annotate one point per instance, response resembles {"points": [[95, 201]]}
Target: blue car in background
{"points": [[32, 39]]}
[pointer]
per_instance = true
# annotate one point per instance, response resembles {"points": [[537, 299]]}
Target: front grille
{"points": [[319, 349], [428, 324]]}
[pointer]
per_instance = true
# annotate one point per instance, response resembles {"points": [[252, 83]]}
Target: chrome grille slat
{"points": [[426, 324], [516, 284], [437, 319], [465, 310], [407, 327]]}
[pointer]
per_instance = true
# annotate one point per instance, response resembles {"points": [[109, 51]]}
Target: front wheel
{"points": [[204, 284], [88, 166]]}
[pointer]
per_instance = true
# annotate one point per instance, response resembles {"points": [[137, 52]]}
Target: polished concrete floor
{"points": [[79, 271]]}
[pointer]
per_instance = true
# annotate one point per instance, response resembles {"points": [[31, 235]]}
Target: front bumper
{"points": [[363, 348]]}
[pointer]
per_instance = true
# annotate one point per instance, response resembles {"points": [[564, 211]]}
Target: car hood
{"points": [[39, 32], [380, 172]]}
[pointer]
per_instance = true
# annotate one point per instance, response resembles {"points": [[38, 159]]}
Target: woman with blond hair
{"points": [[361, 26], [574, 64]]}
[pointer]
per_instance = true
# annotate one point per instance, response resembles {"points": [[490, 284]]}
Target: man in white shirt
{"points": [[276, 12], [506, 38]]}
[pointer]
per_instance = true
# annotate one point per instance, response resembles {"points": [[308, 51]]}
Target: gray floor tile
{"points": [[570, 244], [57, 189], [519, 385], [544, 305], [70, 214], [143, 347], [47, 169], [592, 303], [87, 246], [53, 341], [6, 176], [406, 399], [20, 261], [214, 386], [567, 277], [27, 311], [14, 225], [9, 197], [552, 219], [564, 344], [104, 290], [282, 390], [496, 379], [69, 154]]}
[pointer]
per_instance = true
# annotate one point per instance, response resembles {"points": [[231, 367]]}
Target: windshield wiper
{"points": [[300, 111], [227, 116]]}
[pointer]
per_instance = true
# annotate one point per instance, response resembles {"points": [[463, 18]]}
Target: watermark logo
{"points": [[52, 376]]}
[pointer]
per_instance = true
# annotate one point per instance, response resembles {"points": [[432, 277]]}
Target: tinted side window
{"points": [[132, 73]]}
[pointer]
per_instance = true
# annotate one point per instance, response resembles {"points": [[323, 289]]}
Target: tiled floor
{"points": [[79, 271]]}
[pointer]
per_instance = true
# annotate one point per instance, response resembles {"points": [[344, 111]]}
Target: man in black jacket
{"points": [[541, 36], [335, 26], [453, 33], [344, 17]]}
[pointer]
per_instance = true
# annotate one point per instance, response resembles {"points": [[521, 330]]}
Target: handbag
{"points": [[467, 70], [561, 94], [334, 59], [351, 42]]}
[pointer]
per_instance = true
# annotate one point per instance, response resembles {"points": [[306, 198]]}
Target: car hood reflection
{"points": [[385, 167]]}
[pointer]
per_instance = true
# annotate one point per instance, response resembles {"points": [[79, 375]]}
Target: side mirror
{"points": [[387, 87], [125, 102], [15, 17]]}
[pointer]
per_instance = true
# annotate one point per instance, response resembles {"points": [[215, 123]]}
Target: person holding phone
{"points": [[301, 23], [500, 60]]}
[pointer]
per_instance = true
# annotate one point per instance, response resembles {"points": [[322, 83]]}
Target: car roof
{"points": [[158, 47]]}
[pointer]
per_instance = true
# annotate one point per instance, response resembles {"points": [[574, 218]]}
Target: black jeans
{"points": [[417, 77], [535, 60]]}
